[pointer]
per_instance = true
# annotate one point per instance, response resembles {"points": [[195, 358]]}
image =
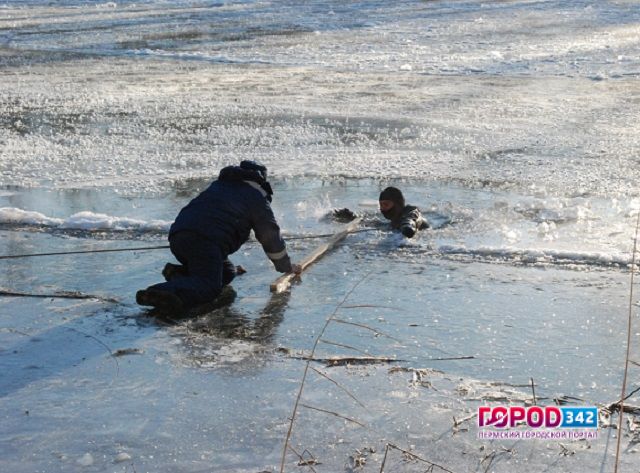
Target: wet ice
{"points": [[515, 120]]}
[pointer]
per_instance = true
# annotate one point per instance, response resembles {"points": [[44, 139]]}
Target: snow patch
{"points": [[86, 220]]}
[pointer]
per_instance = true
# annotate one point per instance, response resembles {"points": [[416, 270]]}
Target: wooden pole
{"points": [[283, 282]]}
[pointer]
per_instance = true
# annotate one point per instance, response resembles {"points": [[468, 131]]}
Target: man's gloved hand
{"points": [[296, 269], [408, 231], [344, 215]]}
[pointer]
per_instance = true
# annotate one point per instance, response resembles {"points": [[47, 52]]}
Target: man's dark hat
{"points": [[393, 194], [248, 171], [255, 166]]}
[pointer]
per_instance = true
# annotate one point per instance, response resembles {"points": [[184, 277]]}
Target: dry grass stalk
{"points": [[457, 423], [409, 454], [533, 389], [302, 462], [371, 306], [306, 368], [349, 419], [349, 360], [377, 332], [341, 345], [628, 350], [341, 387]]}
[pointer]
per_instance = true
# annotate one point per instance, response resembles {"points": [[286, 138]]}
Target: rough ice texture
{"points": [[80, 221], [523, 114], [511, 94]]}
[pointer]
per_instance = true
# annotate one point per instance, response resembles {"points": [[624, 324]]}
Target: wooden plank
{"points": [[283, 282]]}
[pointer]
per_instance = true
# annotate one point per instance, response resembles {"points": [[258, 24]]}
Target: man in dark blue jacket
{"points": [[212, 226]]}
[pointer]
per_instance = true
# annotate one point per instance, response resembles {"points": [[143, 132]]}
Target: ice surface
{"points": [[498, 92], [218, 390], [516, 120], [80, 221]]}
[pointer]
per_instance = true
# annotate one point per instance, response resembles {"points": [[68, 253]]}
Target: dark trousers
{"points": [[207, 269]]}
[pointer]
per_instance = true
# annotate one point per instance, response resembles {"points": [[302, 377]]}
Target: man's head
{"points": [[254, 166], [391, 202]]}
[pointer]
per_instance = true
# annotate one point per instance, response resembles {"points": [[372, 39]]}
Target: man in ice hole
{"points": [[403, 217]]}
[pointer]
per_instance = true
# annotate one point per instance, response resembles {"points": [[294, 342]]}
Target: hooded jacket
{"points": [[226, 212]]}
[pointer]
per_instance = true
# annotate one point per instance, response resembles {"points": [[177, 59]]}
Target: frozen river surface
{"points": [[516, 120]]}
